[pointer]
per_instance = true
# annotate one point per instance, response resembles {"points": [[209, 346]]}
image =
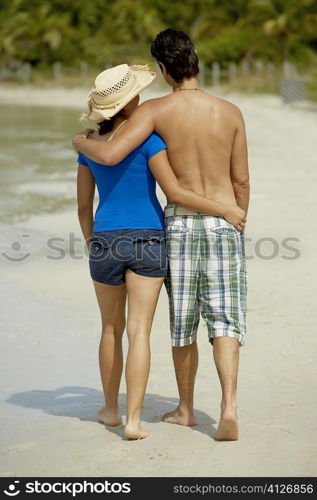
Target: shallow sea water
{"points": [[37, 162]]}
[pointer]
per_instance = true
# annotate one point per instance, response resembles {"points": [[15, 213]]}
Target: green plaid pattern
{"points": [[207, 276]]}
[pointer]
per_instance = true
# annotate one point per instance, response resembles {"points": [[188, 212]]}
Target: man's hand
{"points": [[236, 216], [81, 137]]}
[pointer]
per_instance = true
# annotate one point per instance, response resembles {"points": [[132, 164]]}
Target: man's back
{"points": [[199, 130]]}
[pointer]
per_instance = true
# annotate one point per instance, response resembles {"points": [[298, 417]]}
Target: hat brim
{"points": [[143, 79]]}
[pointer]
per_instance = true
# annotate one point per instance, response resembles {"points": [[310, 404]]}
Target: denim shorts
{"points": [[112, 253]]}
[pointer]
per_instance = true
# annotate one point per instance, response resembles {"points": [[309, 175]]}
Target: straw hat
{"points": [[114, 88]]}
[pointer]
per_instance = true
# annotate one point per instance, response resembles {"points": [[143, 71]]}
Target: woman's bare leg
{"points": [[111, 300], [143, 293]]}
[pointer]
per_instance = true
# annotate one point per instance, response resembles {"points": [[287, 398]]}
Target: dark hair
{"points": [[176, 51], [106, 126]]}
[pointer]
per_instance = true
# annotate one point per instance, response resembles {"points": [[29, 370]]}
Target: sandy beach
{"points": [[50, 327]]}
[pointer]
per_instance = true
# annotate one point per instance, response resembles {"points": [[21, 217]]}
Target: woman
{"points": [[126, 238]]}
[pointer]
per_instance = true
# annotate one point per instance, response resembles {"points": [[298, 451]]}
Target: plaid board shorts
{"points": [[207, 276]]}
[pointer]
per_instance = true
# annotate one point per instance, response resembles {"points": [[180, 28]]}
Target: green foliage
{"points": [[112, 31], [230, 44]]}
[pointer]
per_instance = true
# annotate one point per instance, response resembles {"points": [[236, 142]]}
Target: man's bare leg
{"points": [[226, 356], [185, 363]]}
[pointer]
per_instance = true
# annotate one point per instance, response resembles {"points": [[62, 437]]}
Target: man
{"points": [[207, 150]]}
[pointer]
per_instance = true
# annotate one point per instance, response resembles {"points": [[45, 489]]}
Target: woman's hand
{"points": [[236, 216]]}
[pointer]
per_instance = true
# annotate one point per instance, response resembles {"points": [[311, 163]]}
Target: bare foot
{"points": [[108, 417], [180, 418], [134, 432], [227, 428]]}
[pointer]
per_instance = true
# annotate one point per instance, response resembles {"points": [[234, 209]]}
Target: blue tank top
{"points": [[127, 191]]}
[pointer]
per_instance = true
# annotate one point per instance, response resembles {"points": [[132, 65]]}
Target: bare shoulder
{"points": [[228, 108], [233, 112]]}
